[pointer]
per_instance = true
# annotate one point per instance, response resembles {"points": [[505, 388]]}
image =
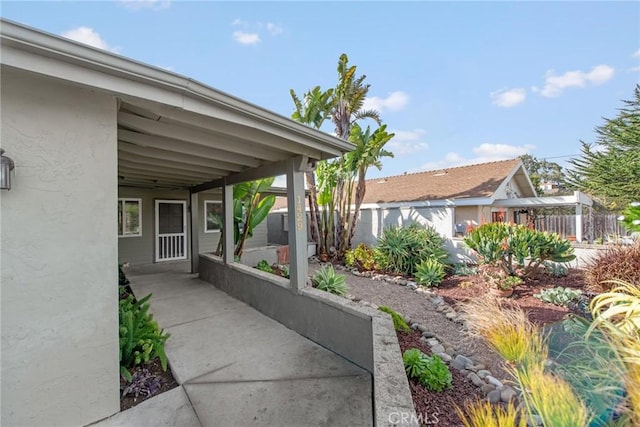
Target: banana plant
{"points": [[250, 208]]}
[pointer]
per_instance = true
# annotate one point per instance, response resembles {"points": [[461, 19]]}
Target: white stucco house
{"points": [[93, 134]]}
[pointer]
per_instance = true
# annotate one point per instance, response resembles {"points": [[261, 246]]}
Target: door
{"points": [[171, 230]]}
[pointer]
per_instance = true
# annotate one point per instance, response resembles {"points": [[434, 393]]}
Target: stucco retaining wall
{"points": [[361, 335]]}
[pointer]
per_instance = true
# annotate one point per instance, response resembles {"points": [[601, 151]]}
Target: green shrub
{"points": [[429, 272], [263, 265], [400, 249], [326, 279], [555, 269], [431, 371], [618, 263], [362, 257], [461, 269], [516, 248], [140, 337], [559, 296], [398, 322], [437, 376]]}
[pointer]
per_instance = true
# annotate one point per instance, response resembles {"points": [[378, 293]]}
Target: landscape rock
{"points": [[445, 357], [483, 373], [451, 315], [493, 396], [508, 394], [487, 388], [422, 328], [475, 379], [438, 348], [494, 381], [429, 334], [460, 361]]}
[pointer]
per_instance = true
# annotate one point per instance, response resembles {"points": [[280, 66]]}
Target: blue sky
{"points": [[458, 82]]}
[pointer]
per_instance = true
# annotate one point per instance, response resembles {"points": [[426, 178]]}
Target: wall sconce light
{"points": [[6, 166]]}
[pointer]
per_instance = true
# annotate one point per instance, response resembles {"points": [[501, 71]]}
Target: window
{"points": [[129, 217], [212, 216]]}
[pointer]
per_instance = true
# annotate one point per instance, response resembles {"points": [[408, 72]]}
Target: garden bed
{"points": [[158, 382], [432, 407]]}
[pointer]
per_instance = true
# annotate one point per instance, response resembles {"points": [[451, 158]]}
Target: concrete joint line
{"points": [[191, 382]]}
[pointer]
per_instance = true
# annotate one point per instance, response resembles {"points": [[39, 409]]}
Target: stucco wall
{"points": [[374, 221], [59, 253], [140, 250]]}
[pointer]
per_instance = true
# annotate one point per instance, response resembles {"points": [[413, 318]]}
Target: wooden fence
{"points": [[598, 226]]}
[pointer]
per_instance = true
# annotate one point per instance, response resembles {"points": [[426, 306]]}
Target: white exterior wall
{"points": [[373, 221], [59, 254]]}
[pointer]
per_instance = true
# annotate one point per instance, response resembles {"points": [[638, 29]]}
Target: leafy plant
{"points": [[398, 322], [326, 279], [461, 269], [143, 383], [559, 296], [555, 269], [617, 263], [516, 248], [140, 337], [429, 272], [436, 376], [431, 371], [362, 257], [285, 271], [263, 265], [415, 362], [499, 279], [400, 249], [631, 217]]}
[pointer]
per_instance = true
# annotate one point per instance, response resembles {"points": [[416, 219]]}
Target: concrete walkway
{"points": [[238, 367]]}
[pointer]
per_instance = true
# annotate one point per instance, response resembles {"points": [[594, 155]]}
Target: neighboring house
{"points": [[453, 200], [92, 133]]}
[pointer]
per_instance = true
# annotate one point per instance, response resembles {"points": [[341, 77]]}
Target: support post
{"points": [[578, 222], [297, 218], [227, 207], [194, 228]]}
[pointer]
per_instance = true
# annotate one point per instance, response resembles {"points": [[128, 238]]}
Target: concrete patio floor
{"points": [[237, 367]]}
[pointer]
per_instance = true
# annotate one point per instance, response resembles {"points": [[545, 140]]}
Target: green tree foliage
{"points": [[341, 182], [609, 169], [543, 171]]}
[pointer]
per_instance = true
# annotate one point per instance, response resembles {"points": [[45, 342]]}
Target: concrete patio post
{"points": [[194, 235], [227, 207], [297, 223]]}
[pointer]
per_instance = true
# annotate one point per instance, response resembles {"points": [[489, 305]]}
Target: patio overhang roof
{"points": [[173, 132], [546, 202]]}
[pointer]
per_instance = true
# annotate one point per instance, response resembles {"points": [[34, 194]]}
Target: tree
{"points": [[313, 109], [542, 171], [334, 225], [609, 170]]}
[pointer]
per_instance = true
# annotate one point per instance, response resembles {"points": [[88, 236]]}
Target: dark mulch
{"points": [[438, 408], [167, 382], [463, 288]]}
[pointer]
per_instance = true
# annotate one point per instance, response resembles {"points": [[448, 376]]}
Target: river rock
{"points": [[460, 362], [493, 396], [475, 379], [494, 381], [508, 394], [482, 373]]}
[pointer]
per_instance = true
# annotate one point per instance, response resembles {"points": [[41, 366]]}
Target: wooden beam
{"points": [[176, 146], [211, 173], [196, 136]]}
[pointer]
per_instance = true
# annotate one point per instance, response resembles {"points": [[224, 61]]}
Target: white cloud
{"points": [[485, 152], [636, 54], [555, 85], [274, 29], [395, 101], [246, 38], [407, 142], [508, 98], [250, 33], [634, 69], [90, 37], [145, 4]]}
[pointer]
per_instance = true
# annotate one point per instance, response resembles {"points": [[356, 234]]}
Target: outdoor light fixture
{"points": [[6, 166]]}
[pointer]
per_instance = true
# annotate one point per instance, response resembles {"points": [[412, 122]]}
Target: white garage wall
{"points": [[59, 254]]}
